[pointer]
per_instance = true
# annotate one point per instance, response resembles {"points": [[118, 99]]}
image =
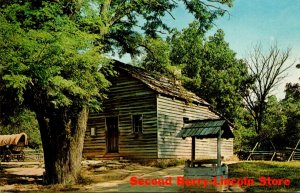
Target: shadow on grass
{"points": [[30, 183]]}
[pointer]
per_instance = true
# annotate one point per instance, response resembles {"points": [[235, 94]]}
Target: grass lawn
{"points": [[274, 170]]}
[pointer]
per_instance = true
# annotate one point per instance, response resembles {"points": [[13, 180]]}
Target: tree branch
{"points": [[268, 70]]}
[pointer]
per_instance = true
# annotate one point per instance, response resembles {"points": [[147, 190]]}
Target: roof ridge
{"points": [[160, 83]]}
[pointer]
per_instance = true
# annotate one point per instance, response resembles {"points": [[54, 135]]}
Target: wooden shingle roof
{"points": [[208, 128], [160, 84]]}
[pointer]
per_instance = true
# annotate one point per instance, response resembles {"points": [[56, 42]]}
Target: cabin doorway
{"points": [[112, 137]]}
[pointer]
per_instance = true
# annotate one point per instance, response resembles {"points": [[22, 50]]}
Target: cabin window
{"points": [[93, 131], [137, 123]]}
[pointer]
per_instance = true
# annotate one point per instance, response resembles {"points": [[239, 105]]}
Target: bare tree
{"points": [[267, 70]]}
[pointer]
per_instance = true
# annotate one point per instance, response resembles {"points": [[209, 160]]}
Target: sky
{"points": [[250, 22]]}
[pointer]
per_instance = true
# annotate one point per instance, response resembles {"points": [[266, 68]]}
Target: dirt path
{"points": [[146, 173], [22, 176]]}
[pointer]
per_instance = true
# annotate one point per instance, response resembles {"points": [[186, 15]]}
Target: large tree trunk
{"points": [[62, 134]]}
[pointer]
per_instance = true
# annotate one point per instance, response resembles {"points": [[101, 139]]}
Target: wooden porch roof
{"points": [[208, 128]]}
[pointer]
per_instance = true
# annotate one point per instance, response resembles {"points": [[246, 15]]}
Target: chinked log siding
{"points": [[163, 106], [127, 97], [170, 121]]}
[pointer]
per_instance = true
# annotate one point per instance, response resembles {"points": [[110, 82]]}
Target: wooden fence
{"points": [[287, 154], [34, 155]]}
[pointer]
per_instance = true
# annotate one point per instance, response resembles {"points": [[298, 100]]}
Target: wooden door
{"points": [[112, 137]]}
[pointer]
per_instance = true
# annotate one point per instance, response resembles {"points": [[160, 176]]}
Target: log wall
{"points": [[127, 97], [171, 112], [162, 120]]}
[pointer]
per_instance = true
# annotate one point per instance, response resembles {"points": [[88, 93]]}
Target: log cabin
{"points": [[142, 116]]}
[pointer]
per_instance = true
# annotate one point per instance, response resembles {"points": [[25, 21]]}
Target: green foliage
{"points": [[121, 22], [24, 122], [187, 50], [47, 60], [267, 69], [47, 64], [209, 67], [282, 118], [281, 124], [275, 121], [156, 57], [50, 51], [244, 135], [52, 61], [223, 76], [291, 106]]}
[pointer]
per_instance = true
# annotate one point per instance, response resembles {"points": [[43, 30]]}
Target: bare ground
{"points": [[97, 176]]}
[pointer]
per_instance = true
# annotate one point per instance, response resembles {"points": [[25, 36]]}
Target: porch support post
{"points": [[219, 148], [193, 148]]}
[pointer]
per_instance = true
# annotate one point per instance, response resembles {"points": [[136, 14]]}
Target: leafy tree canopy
{"points": [[24, 122], [50, 55], [209, 67], [50, 66], [281, 123], [291, 105], [122, 21], [47, 61], [156, 57]]}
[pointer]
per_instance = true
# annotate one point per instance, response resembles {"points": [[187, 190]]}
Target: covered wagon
{"points": [[11, 146]]}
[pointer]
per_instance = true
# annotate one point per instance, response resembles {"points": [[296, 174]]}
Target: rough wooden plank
{"points": [[193, 148], [170, 121], [127, 96]]}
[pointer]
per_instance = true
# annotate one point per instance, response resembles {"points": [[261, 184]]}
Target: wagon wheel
{"points": [[7, 156], [21, 156]]}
